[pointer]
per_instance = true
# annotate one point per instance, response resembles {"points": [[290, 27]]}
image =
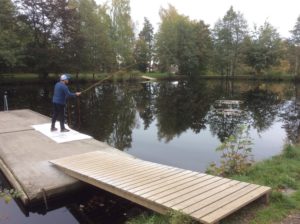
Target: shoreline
{"points": [[21, 78]]}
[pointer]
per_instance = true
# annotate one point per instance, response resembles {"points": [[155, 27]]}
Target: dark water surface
{"points": [[173, 123]]}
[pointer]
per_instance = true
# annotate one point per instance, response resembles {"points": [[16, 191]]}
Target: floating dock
{"points": [[27, 158], [25, 155], [148, 78]]}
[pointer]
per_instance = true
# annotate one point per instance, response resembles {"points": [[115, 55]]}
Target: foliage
{"points": [[228, 35], [182, 45], [295, 48], [173, 217], [82, 36], [143, 52], [122, 30], [97, 52], [8, 195], [12, 40], [264, 48], [236, 154]]}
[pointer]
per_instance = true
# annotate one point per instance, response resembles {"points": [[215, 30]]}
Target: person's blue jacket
{"points": [[61, 93]]}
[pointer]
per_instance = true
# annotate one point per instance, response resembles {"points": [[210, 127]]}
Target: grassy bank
{"points": [[87, 77], [134, 76], [281, 172]]}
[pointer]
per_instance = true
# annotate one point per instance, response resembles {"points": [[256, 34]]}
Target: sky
{"points": [[281, 14]]}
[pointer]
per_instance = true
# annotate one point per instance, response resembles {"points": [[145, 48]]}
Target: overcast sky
{"points": [[282, 14]]}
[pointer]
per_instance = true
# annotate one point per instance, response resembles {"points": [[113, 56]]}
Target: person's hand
{"points": [[78, 93]]}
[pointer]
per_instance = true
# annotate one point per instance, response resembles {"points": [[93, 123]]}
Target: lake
{"points": [[177, 123]]}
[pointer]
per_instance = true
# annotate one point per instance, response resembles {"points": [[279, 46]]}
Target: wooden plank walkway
{"points": [[206, 198]]}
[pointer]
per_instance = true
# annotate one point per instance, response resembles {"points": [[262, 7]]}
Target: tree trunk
{"points": [[296, 64]]}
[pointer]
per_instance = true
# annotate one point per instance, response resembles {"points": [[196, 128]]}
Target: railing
{"points": [[5, 102]]}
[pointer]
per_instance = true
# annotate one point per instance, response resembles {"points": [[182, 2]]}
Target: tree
{"points": [[123, 35], [264, 49], [143, 51], [296, 47], [181, 43], [228, 35], [11, 46], [95, 29], [52, 25]]}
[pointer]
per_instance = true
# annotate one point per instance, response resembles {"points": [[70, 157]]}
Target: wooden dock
{"points": [[25, 154], [162, 188]]}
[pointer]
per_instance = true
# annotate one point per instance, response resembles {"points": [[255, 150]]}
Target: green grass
{"points": [[171, 218], [281, 173]]}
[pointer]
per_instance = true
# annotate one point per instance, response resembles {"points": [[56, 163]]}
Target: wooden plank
{"points": [[140, 173], [119, 192], [140, 184], [151, 176], [107, 171], [108, 167], [211, 196], [194, 191], [176, 189], [89, 164], [228, 209], [226, 200], [147, 186], [164, 185]]}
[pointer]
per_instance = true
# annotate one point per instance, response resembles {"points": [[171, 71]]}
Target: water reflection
{"points": [[291, 115], [111, 112], [174, 123]]}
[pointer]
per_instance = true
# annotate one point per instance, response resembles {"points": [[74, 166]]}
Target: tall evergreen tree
{"points": [[143, 52]]}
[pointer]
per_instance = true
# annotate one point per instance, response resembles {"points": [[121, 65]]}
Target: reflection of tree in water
{"points": [[110, 110], [291, 118], [145, 102], [259, 109], [263, 107], [181, 106], [225, 124], [109, 115]]}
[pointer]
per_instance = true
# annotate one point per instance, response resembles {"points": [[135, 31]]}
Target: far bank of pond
{"points": [[13, 78], [178, 123]]}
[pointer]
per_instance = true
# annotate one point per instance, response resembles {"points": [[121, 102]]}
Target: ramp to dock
{"points": [[162, 188]]}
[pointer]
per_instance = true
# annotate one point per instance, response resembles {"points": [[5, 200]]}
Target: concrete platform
{"points": [[24, 156]]}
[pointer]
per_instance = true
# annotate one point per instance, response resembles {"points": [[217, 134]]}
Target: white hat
{"points": [[64, 77]]}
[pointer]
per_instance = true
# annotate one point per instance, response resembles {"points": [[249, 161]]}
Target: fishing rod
{"points": [[106, 78]]}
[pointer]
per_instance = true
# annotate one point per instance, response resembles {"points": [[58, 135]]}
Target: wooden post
{"points": [[266, 198]]}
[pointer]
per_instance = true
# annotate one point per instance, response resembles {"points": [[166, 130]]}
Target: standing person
{"points": [[61, 93]]}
